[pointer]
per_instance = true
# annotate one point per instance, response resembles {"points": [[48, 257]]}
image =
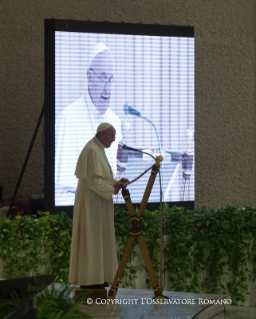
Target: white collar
{"points": [[99, 142]]}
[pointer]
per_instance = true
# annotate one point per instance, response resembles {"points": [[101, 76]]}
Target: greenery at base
{"points": [[28, 243], [208, 250], [54, 303], [211, 251], [7, 306], [51, 303]]}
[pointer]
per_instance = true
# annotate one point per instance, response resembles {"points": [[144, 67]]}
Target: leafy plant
{"points": [[54, 303], [211, 251], [51, 303], [207, 247], [208, 250], [7, 306], [28, 243]]}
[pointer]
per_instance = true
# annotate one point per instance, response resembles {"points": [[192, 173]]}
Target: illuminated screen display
{"points": [[140, 83]]}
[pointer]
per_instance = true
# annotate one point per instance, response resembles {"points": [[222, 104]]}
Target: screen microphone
{"points": [[132, 111]]}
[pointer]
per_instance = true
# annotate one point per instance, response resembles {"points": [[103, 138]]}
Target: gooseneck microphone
{"points": [[132, 111], [135, 150], [130, 148]]}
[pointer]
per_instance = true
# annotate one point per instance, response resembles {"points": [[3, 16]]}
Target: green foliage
{"points": [[211, 251], [54, 303], [51, 303], [27, 244], [207, 245], [7, 306], [207, 250]]}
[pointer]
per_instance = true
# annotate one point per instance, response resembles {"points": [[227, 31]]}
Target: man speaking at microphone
{"points": [[93, 260], [77, 123]]}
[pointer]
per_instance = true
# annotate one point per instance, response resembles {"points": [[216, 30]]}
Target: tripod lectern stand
{"points": [[136, 232]]}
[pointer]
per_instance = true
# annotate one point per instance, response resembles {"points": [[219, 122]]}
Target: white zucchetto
{"points": [[103, 127]]}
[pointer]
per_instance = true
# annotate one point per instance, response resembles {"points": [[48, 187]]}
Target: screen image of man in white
{"points": [[78, 122]]}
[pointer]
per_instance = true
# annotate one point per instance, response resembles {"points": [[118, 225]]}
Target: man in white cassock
{"points": [[93, 258], [78, 122]]}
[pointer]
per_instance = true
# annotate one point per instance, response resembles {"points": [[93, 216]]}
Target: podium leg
{"points": [[113, 290], [149, 265]]}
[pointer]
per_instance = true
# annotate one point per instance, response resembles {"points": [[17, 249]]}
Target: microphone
{"points": [[132, 111], [125, 147]]}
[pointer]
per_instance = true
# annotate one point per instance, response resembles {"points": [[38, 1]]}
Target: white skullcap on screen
{"points": [[100, 47], [103, 127]]}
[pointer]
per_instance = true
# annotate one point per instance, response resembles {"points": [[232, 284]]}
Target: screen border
{"points": [[52, 25]]}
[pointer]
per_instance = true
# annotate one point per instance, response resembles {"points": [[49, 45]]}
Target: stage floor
{"points": [[137, 303]]}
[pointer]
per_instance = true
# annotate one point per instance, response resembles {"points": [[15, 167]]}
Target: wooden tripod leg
{"points": [[113, 290], [149, 265], [148, 189]]}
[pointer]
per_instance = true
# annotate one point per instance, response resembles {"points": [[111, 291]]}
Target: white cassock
{"points": [[75, 126], [93, 258]]}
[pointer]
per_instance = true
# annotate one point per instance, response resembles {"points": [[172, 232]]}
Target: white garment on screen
{"points": [[75, 126]]}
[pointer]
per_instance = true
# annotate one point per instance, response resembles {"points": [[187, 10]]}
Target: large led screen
{"points": [[144, 86]]}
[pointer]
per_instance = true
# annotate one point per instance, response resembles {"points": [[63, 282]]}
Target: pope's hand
{"points": [[120, 183], [125, 180]]}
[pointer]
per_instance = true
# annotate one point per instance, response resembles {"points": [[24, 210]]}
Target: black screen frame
{"points": [[52, 25]]}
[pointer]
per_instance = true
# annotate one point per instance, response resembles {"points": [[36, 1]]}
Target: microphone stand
{"points": [[161, 216], [161, 236], [136, 232]]}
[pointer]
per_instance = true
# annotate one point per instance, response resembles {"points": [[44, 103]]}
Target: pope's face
{"points": [[99, 74], [108, 137]]}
